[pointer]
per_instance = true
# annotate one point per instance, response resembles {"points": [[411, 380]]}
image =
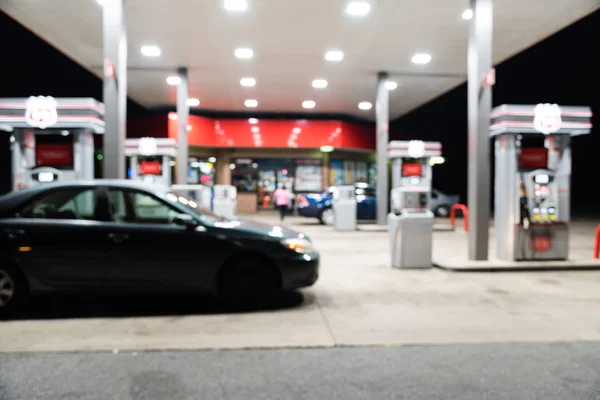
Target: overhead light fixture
{"points": [[319, 83], [467, 14], [296, 130], [334, 55], [173, 116], [358, 8], [248, 82], [326, 149], [212, 159], [437, 160], [251, 103], [252, 121], [308, 104], [173, 80], [236, 5], [365, 105], [391, 85], [193, 102], [244, 53], [151, 51], [421, 58]]}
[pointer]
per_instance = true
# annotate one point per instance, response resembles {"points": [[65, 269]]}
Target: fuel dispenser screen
{"points": [[533, 158], [411, 169], [150, 168]]}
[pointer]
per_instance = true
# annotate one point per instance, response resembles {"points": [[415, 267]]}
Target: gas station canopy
{"points": [[289, 40]]}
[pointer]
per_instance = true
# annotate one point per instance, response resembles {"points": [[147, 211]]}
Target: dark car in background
{"points": [[318, 205], [127, 236]]}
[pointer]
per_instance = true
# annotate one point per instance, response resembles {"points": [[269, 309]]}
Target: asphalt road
{"points": [[565, 371]]}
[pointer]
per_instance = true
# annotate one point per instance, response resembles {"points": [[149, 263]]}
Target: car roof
{"points": [[13, 199]]}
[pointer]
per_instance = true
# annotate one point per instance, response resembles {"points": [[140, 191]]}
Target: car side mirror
{"points": [[185, 220]]}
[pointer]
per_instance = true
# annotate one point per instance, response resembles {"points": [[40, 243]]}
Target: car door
{"points": [[59, 238], [365, 204], [149, 250]]}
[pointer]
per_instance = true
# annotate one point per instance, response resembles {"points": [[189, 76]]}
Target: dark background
{"points": [[562, 69]]}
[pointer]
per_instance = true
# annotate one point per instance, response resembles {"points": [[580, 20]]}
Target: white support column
{"points": [[479, 106], [182, 114], [115, 88], [382, 122]]}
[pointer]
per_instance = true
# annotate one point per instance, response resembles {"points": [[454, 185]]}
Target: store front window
{"points": [[262, 176], [201, 171]]}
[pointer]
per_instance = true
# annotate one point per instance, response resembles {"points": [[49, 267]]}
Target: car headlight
{"points": [[299, 245]]}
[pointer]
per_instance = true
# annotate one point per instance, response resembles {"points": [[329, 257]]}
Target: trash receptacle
{"points": [[410, 228], [224, 202], [344, 208]]}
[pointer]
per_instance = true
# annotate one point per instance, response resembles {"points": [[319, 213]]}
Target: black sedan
{"points": [[128, 236]]}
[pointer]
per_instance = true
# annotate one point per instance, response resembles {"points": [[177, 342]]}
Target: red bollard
{"points": [[597, 243], [465, 213]]}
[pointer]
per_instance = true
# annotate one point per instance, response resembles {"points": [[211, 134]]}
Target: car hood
{"points": [[254, 228]]}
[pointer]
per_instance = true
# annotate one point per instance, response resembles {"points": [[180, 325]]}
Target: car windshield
{"points": [[205, 216]]}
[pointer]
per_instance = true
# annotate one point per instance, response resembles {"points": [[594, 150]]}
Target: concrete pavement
{"points": [[359, 300], [557, 371]]}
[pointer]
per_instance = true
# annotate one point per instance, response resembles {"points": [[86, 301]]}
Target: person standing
{"points": [[282, 198]]}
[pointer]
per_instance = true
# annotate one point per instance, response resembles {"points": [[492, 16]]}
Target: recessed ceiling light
{"points": [[319, 83], [391, 85], [358, 8], [365, 105], [251, 103], [467, 14], [308, 104], [326, 149], [235, 5], [173, 80], [252, 121], [151, 51], [193, 102], [334, 55], [296, 130], [421, 58], [244, 53], [173, 116], [249, 82]]}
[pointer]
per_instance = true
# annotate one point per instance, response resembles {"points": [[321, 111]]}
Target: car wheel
{"points": [[12, 290], [442, 211], [247, 282], [327, 217]]}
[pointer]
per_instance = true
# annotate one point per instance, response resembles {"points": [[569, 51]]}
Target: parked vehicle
{"points": [[318, 205], [125, 236]]}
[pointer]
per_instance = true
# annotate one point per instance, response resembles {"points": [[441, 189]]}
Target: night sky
{"points": [[562, 69]]}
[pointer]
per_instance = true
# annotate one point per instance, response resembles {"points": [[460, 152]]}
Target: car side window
{"points": [[434, 194], [141, 208], [62, 204]]}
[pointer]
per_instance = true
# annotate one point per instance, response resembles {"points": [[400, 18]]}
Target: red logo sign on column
{"points": [[109, 69]]}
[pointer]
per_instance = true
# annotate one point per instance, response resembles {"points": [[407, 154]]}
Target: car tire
{"points": [[13, 290], [327, 217], [247, 282], [442, 211]]}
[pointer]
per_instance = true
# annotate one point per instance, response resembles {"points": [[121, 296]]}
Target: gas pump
{"points": [[412, 162], [410, 222], [532, 178], [52, 139], [151, 159]]}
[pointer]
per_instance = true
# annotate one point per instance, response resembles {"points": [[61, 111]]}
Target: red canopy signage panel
{"points": [[302, 134]]}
